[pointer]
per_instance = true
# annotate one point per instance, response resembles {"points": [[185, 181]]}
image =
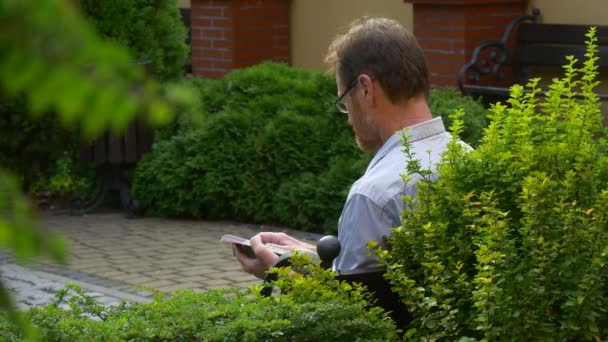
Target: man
{"points": [[383, 86]]}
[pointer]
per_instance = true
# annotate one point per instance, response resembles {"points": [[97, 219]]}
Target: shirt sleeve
{"points": [[363, 220]]}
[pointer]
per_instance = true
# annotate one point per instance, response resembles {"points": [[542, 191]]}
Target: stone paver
{"points": [[34, 288], [163, 254]]}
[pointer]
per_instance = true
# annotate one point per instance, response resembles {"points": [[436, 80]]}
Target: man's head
{"points": [[376, 53], [386, 51]]}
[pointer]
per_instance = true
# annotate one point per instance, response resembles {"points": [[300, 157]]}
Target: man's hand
{"points": [[265, 258]]}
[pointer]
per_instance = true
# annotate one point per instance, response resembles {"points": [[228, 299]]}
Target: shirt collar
{"points": [[416, 132]]}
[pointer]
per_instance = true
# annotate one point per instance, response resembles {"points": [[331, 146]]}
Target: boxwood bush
{"points": [[273, 150], [315, 308], [511, 243]]}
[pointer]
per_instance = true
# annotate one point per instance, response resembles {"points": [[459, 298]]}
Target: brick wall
{"points": [[231, 34], [449, 30]]}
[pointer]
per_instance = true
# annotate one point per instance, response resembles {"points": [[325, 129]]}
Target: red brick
{"points": [[207, 11], [448, 31], [443, 80], [209, 53], [248, 23], [207, 33], [244, 54], [444, 58], [442, 29], [439, 33], [262, 11], [223, 22], [261, 32], [494, 20], [200, 42], [482, 36], [282, 21], [254, 43], [253, 30], [247, 62], [197, 63], [224, 44], [439, 20], [438, 11], [445, 68], [200, 22], [494, 9], [258, 3], [281, 41], [454, 45], [220, 64], [277, 52]]}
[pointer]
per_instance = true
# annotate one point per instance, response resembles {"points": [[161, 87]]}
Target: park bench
{"points": [[526, 43], [114, 157]]}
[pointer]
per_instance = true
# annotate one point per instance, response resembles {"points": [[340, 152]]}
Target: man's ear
{"points": [[367, 85]]}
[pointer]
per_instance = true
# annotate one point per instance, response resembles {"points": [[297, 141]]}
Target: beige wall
{"points": [[590, 12], [314, 23]]}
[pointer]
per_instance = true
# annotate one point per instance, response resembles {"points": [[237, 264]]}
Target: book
{"points": [[246, 245]]}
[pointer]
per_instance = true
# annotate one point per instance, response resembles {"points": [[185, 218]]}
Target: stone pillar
{"points": [[449, 30], [231, 34]]}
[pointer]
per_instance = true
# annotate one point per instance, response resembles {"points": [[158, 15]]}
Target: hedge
{"points": [[151, 29], [273, 150], [511, 242], [315, 308]]}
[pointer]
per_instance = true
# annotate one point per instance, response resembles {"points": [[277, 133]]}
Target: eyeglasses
{"points": [[340, 103]]}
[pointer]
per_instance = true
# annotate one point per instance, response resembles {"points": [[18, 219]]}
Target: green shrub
{"points": [[273, 150], [315, 308], [443, 102], [512, 241], [266, 127], [151, 29]]}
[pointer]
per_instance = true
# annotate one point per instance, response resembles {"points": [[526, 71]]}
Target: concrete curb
{"points": [[89, 287]]}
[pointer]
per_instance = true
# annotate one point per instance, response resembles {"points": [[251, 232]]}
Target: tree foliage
{"points": [[53, 56], [39, 149]]}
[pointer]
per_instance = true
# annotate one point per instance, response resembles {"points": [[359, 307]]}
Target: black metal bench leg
{"points": [[108, 177], [80, 206], [129, 205]]}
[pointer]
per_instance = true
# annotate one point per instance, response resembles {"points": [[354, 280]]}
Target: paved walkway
{"points": [[112, 252], [32, 288]]}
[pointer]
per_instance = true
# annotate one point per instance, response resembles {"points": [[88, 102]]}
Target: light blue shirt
{"points": [[374, 203]]}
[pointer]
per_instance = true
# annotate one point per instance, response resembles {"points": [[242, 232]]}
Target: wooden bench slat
{"points": [[114, 149], [100, 150], [131, 144], [558, 33], [555, 55]]}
